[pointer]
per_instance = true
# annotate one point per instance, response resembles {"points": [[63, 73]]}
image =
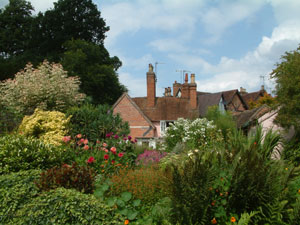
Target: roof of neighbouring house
{"points": [[207, 100], [245, 118], [253, 96], [166, 108]]}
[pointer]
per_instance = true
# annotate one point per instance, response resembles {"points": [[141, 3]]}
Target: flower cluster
{"points": [[150, 157]]}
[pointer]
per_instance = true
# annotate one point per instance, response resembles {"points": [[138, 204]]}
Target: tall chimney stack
{"points": [[193, 92], [185, 88], [151, 87]]}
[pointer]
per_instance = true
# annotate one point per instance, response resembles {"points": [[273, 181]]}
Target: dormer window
{"points": [[178, 94]]}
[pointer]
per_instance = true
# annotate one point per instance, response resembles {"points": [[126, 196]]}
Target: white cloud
{"points": [[227, 13], [42, 5], [168, 45]]}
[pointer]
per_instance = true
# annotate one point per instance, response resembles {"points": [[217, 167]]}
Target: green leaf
{"points": [[132, 214], [104, 187], [126, 196], [98, 193], [136, 202], [120, 203], [124, 212], [111, 201]]}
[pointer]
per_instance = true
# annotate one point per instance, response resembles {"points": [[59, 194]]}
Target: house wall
{"points": [[137, 123]]}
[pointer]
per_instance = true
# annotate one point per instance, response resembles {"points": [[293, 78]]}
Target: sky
{"points": [[228, 44]]}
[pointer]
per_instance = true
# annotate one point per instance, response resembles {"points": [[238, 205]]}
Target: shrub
{"points": [[24, 153], [146, 183], [45, 125], [95, 122], [16, 189], [81, 178], [150, 157], [198, 133], [48, 87], [9, 119], [105, 157], [66, 206]]}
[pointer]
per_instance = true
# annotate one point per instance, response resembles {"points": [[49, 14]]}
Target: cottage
{"points": [[149, 116]]}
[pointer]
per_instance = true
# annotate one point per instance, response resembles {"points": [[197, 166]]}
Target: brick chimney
{"points": [[243, 91], [176, 87], [193, 92], [185, 88], [151, 87]]}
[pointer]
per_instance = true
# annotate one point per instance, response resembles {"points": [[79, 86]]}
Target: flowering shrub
{"points": [[105, 157], [150, 157], [196, 133], [48, 87], [47, 126], [81, 178], [95, 122]]}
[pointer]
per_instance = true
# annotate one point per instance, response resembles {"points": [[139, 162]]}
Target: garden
{"points": [[66, 161]]}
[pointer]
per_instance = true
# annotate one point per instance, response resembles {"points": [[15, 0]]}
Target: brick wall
{"points": [[138, 124]]}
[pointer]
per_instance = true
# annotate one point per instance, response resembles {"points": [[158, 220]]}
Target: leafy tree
{"points": [[96, 69], [265, 100], [48, 87], [287, 77], [15, 34]]}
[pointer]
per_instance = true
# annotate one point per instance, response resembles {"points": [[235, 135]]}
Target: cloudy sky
{"points": [[228, 44]]}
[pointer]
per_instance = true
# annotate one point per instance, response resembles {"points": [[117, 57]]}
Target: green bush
{"points": [[66, 206], [9, 119], [95, 122], [81, 178], [49, 126], [24, 153], [16, 189]]}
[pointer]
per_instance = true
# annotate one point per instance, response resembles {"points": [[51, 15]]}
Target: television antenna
{"points": [[182, 74], [262, 77]]}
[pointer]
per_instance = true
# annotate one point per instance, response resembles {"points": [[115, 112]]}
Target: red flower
{"points": [[113, 150], [85, 141], [86, 147], [113, 162], [91, 160], [120, 154], [66, 139], [78, 135], [106, 157]]}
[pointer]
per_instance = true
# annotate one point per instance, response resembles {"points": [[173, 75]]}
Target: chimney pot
{"points": [[186, 80], [192, 78]]}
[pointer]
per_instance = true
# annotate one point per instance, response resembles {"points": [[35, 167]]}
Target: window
{"points": [[164, 124]]}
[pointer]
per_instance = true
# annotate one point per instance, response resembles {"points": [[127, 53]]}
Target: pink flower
{"points": [[129, 137], [81, 140], [113, 161], [106, 150], [91, 160], [86, 147], [98, 142], [85, 141], [104, 145], [66, 139], [65, 165], [78, 135], [120, 154], [106, 157], [113, 150]]}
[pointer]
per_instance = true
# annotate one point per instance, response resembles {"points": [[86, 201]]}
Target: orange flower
{"points": [[213, 203], [214, 221], [232, 220], [299, 191], [126, 222]]}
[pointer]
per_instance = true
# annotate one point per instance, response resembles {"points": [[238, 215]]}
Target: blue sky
{"points": [[228, 44]]}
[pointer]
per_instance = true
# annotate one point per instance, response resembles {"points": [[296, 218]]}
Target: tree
{"points": [[265, 100], [91, 62], [48, 87], [287, 77], [77, 19], [15, 34]]}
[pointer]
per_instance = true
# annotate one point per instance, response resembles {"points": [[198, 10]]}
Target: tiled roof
{"points": [[243, 119], [207, 100], [252, 96], [166, 108]]}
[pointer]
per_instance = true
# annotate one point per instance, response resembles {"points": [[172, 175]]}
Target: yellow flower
{"points": [[126, 222], [232, 220]]}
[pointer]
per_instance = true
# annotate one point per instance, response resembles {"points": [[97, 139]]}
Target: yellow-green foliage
{"points": [[48, 126]]}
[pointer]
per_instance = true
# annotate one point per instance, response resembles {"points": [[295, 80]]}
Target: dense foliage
{"points": [[81, 178], [18, 153], [95, 122], [71, 33], [287, 78], [48, 126], [48, 87]]}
